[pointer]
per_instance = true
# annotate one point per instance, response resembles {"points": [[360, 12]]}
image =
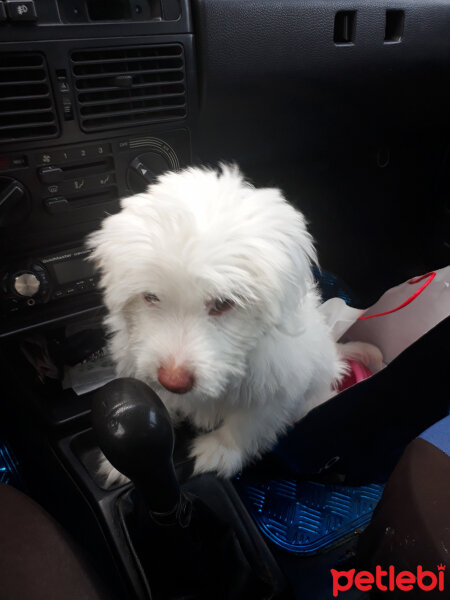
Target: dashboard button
{"points": [[56, 205], [45, 157], [63, 84], [53, 188], [41, 272], [62, 156], [18, 161], [103, 180], [81, 286], [101, 149], [77, 185], [67, 107], [51, 174], [82, 153], [22, 10]]}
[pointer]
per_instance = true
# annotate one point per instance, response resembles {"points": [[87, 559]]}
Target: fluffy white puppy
{"points": [[211, 301]]}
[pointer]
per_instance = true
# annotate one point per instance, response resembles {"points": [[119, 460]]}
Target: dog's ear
{"points": [[114, 260], [104, 259], [293, 252], [303, 256]]}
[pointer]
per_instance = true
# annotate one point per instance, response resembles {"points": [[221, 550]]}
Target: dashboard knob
{"points": [[14, 202], [144, 169], [26, 284]]}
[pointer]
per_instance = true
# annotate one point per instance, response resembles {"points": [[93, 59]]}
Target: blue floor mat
{"points": [[332, 286], [307, 517], [8, 467]]}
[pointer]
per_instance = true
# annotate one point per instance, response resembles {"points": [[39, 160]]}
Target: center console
{"points": [[97, 100]]}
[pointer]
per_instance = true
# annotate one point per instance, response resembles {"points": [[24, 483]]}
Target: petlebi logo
{"points": [[388, 580]]}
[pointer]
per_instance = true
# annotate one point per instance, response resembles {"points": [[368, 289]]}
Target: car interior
{"points": [[342, 104]]}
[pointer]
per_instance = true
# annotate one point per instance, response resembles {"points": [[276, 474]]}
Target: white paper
{"points": [[90, 374], [394, 332]]}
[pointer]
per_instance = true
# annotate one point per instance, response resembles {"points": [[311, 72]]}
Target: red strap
{"points": [[430, 276]]}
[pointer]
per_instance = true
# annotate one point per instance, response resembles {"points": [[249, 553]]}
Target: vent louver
{"points": [[27, 110], [122, 87]]}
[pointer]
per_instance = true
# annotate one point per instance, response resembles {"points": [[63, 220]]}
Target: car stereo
{"points": [[52, 277]]}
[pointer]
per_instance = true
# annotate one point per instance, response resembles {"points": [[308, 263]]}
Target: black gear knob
{"points": [[135, 433]]}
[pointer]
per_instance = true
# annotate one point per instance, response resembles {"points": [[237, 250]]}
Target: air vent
{"points": [[122, 87], [27, 111]]}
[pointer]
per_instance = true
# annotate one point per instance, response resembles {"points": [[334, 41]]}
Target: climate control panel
{"points": [[49, 188]]}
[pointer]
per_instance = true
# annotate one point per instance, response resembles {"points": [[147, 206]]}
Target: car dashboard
{"points": [[93, 109]]}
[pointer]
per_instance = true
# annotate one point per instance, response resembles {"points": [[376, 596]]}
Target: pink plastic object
{"points": [[358, 372]]}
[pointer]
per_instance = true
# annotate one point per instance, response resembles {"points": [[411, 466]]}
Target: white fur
{"points": [[203, 234]]}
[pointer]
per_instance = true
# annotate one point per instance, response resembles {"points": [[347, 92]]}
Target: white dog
{"points": [[212, 302]]}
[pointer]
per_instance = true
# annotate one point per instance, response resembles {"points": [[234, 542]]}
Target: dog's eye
{"points": [[219, 306], [150, 298]]}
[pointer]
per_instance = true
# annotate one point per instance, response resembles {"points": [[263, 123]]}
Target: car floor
{"points": [[310, 577]]}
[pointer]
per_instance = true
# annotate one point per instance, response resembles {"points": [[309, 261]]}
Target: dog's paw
{"points": [[212, 452], [107, 475], [367, 354]]}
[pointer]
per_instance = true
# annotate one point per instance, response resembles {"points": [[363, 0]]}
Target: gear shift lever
{"points": [[136, 435], [186, 548]]}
